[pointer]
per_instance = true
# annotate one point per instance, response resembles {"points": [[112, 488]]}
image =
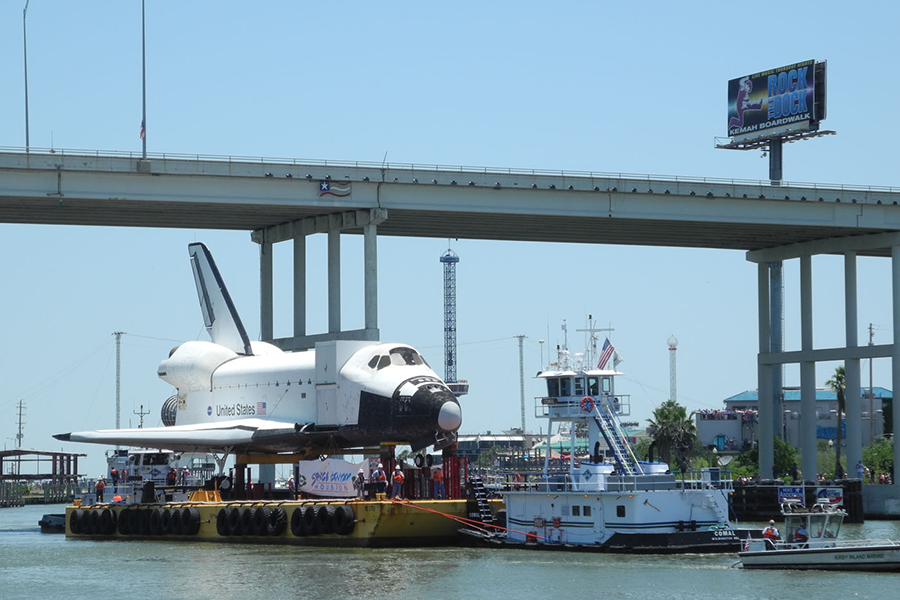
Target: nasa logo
{"points": [[209, 411]]}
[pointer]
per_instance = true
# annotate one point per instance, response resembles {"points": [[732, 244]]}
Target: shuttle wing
{"points": [[219, 314], [241, 435]]}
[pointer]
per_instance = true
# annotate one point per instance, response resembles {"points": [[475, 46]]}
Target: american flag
{"points": [[605, 354], [260, 408], [143, 130], [329, 188]]}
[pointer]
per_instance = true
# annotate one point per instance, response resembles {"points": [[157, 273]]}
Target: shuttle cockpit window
{"points": [[406, 357], [383, 362], [374, 362]]}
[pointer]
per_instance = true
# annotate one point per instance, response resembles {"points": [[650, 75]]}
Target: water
{"points": [[43, 566]]}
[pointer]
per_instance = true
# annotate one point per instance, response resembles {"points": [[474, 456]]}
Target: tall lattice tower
{"points": [[449, 260]]}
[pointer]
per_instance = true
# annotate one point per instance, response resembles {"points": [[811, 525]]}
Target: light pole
{"points": [[25, 54]]}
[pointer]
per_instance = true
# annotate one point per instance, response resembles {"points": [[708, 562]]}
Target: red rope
{"points": [[471, 522]]}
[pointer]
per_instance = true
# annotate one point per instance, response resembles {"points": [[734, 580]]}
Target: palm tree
{"points": [[672, 428], [838, 383]]}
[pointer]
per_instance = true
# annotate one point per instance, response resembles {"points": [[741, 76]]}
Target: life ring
{"points": [[587, 404]]}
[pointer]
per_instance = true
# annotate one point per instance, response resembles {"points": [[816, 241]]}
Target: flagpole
{"points": [[144, 79]]}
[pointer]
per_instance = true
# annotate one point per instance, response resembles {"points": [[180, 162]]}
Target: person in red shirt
{"points": [[397, 479], [438, 477]]}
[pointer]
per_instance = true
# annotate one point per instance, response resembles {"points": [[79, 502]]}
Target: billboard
{"points": [[777, 101]]}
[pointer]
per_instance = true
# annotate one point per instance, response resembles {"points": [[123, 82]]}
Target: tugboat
{"points": [[810, 542], [611, 501]]}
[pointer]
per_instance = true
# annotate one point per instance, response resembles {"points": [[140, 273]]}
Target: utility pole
{"points": [[141, 414], [871, 397], [521, 339], [19, 436]]}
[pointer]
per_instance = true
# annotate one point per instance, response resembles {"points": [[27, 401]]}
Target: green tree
{"points": [[674, 432], [879, 456], [785, 459], [838, 383]]}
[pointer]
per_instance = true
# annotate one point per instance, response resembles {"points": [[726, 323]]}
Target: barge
{"points": [[349, 523]]}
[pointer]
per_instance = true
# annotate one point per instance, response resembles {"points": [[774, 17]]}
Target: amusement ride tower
{"points": [[449, 260]]}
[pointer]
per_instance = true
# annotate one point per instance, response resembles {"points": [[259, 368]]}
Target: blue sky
{"points": [[610, 87]]}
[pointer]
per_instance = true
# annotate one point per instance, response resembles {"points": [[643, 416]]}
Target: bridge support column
{"points": [[266, 319], [370, 270], [332, 225], [776, 339], [807, 373], [334, 280], [852, 401], [895, 359], [299, 282], [764, 377]]}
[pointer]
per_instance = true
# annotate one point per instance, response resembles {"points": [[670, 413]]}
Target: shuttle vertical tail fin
{"points": [[219, 315]]}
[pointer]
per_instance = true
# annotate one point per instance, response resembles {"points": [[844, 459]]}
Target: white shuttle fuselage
{"points": [[234, 395]]}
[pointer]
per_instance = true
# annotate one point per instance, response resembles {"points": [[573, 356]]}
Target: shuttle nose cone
{"points": [[450, 417]]}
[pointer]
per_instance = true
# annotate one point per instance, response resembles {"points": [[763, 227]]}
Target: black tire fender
{"points": [[234, 521], [107, 522], [277, 521], [247, 515], [222, 522], [76, 521], [261, 520], [156, 516], [309, 520], [325, 518], [175, 522], [190, 521], [297, 529], [343, 520], [165, 520]]}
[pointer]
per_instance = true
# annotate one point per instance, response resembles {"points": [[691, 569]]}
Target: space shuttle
{"points": [[234, 395]]}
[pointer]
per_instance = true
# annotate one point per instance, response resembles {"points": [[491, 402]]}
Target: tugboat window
{"points": [[553, 387], [576, 511], [579, 386], [587, 511], [606, 387], [565, 387], [593, 386], [620, 511]]}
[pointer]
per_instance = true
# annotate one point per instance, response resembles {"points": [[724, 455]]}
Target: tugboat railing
{"points": [[688, 480]]}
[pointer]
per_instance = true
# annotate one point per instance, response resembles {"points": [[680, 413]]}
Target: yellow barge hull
{"points": [[377, 523]]}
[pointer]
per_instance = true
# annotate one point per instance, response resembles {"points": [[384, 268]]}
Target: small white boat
{"points": [[820, 525]]}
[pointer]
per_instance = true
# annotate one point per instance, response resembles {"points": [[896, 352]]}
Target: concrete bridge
{"points": [[285, 199]]}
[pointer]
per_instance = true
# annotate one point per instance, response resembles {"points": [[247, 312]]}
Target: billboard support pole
{"points": [[775, 156]]}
